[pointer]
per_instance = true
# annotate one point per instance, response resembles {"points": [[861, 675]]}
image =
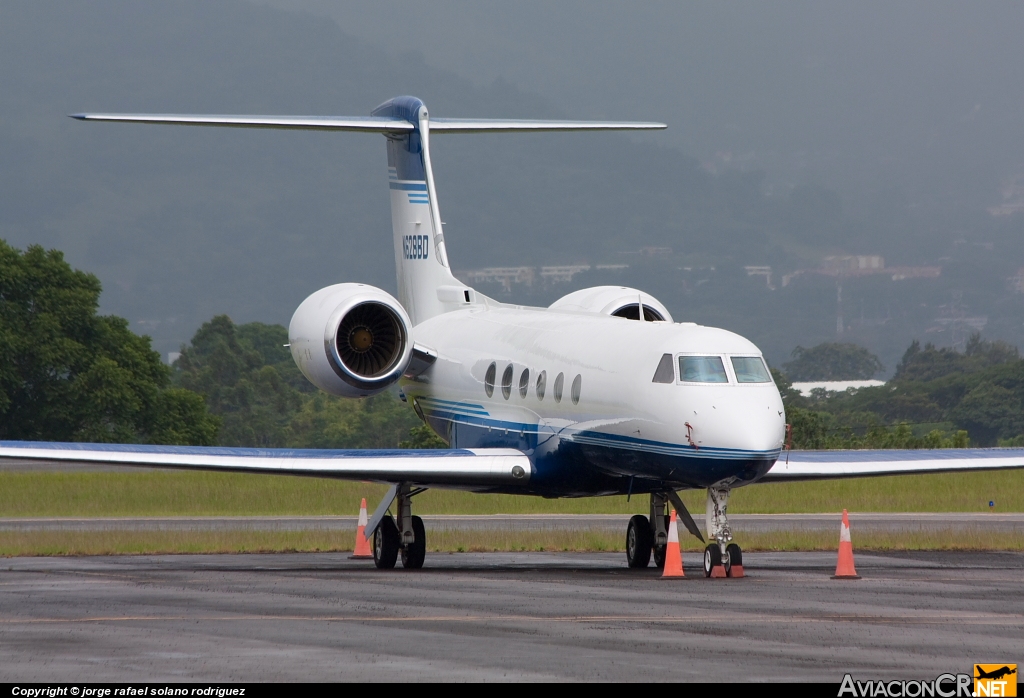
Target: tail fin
{"points": [[426, 286]]}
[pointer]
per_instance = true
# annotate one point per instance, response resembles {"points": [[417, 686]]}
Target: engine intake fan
{"points": [[370, 340]]}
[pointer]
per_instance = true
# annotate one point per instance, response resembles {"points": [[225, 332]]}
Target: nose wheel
{"points": [[722, 558]]}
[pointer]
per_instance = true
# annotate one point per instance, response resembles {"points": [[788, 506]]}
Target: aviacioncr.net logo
{"points": [[943, 686]]}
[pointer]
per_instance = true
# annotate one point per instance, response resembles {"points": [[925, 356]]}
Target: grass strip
{"points": [[122, 542], [174, 493]]}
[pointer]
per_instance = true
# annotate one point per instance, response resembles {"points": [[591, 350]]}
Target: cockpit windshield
{"points": [[750, 369], [702, 369]]}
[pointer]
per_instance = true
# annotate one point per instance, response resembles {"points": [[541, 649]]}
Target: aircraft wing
{"points": [[831, 465], [453, 467]]}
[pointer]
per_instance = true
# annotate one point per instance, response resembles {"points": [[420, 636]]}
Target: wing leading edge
{"points": [[455, 467], [832, 465]]}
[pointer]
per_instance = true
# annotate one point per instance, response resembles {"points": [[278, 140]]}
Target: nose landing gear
{"points": [[722, 557]]}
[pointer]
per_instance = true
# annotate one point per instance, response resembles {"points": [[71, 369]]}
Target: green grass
{"points": [[22, 543], [164, 493]]}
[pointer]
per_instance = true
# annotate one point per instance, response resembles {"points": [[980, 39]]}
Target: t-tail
{"points": [[426, 286]]}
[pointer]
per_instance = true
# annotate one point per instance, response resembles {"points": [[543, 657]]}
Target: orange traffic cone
{"points": [[844, 568], [362, 551], [673, 560]]}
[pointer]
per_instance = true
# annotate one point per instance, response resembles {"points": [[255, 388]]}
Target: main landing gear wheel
{"points": [[386, 543], [414, 553], [733, 556], [712, 558], [639, 541]]}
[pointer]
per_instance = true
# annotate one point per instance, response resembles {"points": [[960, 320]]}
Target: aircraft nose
{"points": [[756, 425]]}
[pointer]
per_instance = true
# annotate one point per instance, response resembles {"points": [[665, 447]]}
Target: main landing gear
{"points": [[406, 537], [722, 557], [648, 536]]}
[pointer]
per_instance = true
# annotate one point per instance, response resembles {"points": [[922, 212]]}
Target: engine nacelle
{"points": [[351, 339], [619, 301]]}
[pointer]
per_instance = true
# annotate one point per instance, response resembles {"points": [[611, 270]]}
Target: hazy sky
{"points": [[926, 96]]}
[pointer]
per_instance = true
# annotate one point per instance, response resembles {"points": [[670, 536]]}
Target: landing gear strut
{"points": [[648, 536], [722, 557], [407, 535]]}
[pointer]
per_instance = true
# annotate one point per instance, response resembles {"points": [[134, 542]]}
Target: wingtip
{"points": [[80, 117]]}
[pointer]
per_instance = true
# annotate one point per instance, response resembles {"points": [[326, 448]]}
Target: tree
{"points": [[990, 411], [68, 374], [931, 363], [228, 364], [251, 382], [833, 362]]}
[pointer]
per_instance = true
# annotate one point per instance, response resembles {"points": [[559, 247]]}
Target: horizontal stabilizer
{"points": [[481, 467], [371, 124], [535, 126], [829, 465]]}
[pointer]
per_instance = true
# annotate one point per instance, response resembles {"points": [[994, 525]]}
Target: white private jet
{"points": [[601, 393]]}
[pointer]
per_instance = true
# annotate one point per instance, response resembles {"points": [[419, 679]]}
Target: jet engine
{"points": [[351, 339], [619, 301]]}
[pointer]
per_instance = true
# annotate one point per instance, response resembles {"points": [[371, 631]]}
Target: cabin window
{"points": [[750, 369], [506, 382], [524, 382], [702, 369], [559, 379], [665, 374], [577, 383], [542, 381], [492, 370]]}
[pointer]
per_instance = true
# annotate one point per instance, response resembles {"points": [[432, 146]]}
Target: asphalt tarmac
{"points": [[504, 617]]}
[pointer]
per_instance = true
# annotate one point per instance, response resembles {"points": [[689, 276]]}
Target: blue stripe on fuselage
{"points": [[574, 463]]}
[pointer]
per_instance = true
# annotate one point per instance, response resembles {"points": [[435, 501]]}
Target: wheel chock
{"points": [[718, 572], [735, 572]]}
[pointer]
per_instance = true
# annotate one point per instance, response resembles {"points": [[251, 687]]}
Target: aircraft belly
{"points": [[569, 464]]}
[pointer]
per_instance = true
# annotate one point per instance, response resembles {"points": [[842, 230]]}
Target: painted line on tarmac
{"points": [[736, 618]]}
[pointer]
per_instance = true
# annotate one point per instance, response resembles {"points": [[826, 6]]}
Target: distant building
{"points": [[849, 266], [506, 276], [173, 356], [805, 388], [562, 274], [766, 272]]}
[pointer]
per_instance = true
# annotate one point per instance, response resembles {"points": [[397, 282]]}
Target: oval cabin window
{"points": [[506, 382], [559, 379], [524, 382], [542, 380], [492, 371], [577, 383]]}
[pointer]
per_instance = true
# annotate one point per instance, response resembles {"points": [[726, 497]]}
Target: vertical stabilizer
{"points": [[426, 286]]}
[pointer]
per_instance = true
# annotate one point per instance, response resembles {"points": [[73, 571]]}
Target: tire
{"points": [[416, 552], [712, 558], [386, 544], [735, 556], [639, 541], [659, 556]]}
